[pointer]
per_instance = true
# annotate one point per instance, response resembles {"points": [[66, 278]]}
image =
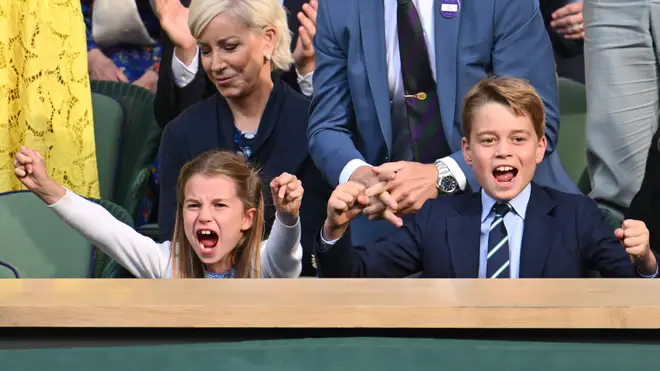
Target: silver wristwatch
{"points": [[446, 181]]}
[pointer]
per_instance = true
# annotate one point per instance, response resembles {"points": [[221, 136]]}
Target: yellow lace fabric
{"points": [[45, 100]]}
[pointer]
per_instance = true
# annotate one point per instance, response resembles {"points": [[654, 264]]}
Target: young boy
{"points": [[512, 228]]}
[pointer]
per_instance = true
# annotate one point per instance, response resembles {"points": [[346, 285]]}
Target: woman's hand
{"points": [[30, 169], [173, 18], [287, 193], [568, 21], [303, 54]]}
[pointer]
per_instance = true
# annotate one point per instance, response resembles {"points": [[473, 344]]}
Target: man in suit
{"points": [[512, 228], [621, 65], [182, 82], [378, 100]]}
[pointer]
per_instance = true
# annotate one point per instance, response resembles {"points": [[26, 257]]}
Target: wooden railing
{"points": [[332, 303]]}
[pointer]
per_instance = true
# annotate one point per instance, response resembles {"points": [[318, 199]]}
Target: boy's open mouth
{"points": [[505, 173]]}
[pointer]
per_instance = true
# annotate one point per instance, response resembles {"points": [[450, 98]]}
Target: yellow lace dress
{"points": [[45, 101]]}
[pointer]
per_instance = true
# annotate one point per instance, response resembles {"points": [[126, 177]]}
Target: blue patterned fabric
{"points": [[229, 274], [243, 142], [133, 60]]}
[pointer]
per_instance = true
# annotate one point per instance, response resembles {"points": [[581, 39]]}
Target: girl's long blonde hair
{"points": [[245, 256]]}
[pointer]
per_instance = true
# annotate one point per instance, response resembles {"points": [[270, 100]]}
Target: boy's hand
{"points": [[346, 202], [634, 237]]}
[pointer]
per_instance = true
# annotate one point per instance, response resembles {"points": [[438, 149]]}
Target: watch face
{"points": [[448, 184]]}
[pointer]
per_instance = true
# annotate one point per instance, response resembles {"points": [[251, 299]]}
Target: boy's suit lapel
{"points": [[538, 234], [463, 236]]}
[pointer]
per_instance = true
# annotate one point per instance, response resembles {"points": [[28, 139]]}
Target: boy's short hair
{"points": [[512, 92]]}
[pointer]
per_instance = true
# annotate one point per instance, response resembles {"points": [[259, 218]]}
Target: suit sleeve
{"points": [[522, 49], [312, 210], [171, 162], [331, 123], [171, 100], [601, 250], [395, 256]]}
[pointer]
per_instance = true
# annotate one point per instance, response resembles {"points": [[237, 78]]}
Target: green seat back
{"points": [[37, 242], [40, 245], [108, 120], [140, 139], [115, 270], [584, 183], [572, 147]]}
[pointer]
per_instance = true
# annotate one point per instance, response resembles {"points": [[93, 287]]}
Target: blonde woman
{"points": [[219, 222], [44, 92], [241, 43]]}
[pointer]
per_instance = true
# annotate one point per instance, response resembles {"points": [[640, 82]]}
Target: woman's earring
{"points": [[267, 56]]}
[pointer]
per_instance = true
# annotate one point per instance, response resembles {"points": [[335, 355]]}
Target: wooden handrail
{"points": [[331, 303]]}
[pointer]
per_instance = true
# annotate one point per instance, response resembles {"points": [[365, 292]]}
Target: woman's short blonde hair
{"points": [[255, 14]]}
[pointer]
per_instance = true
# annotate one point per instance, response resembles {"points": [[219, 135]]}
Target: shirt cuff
{"points": [[456, 171], [287, 220], [182, 74], [326, 245], [67, 194], [305, 83], [348, 170], [654, 275]]}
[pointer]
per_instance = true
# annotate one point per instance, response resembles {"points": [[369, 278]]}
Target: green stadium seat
{"points": [[37, 242], [572, 147], [108, 122]]}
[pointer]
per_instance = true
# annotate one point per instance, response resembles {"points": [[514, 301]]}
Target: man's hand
{"points": [[414, 183], [381, 204], [346, 202], [635, 237], [303, 54], [568, 21]]}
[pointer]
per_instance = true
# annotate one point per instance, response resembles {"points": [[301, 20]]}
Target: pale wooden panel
{"points": [[404, 303]]}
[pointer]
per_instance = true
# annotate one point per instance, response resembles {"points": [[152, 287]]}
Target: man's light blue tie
{"points": [[497, 262]]}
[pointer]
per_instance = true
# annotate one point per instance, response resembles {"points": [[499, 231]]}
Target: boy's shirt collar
{"points": [[518, 203]]}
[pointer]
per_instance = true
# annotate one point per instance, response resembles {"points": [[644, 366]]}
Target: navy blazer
{"points": [[564, 236], [280, 146]]}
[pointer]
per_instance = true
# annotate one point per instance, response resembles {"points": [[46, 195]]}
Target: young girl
{"points": [[219, 222]]}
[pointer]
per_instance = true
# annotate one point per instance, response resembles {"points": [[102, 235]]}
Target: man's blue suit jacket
{"points": [[350, 113], [564, 236]]}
